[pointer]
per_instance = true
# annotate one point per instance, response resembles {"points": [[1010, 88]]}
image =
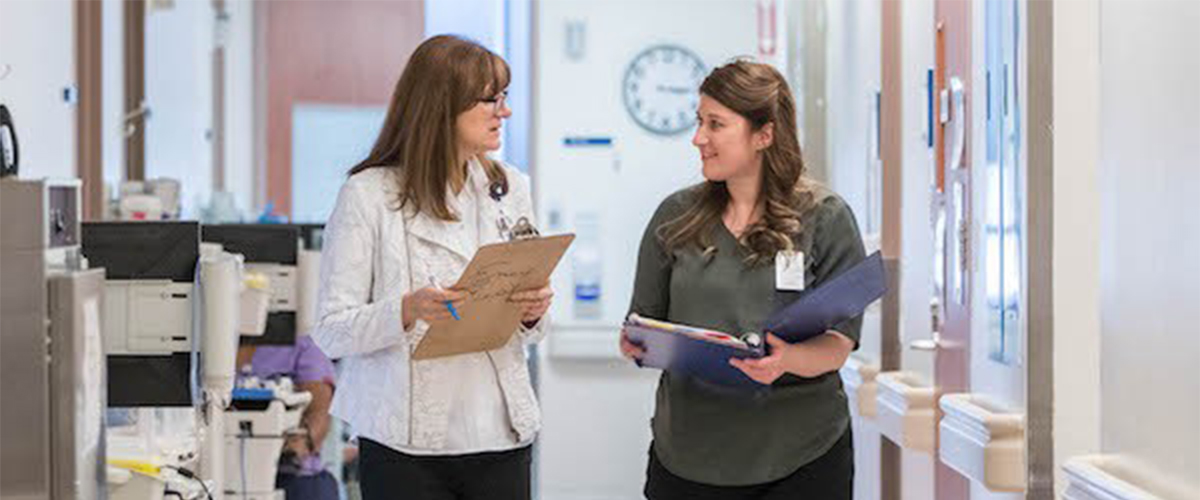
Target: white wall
{"points": [[1150, 237], [240, 105], [1076, 229], [916, 264], [112, 75], [479, 20], [179, 43], [853, 44], [596, 411], [37, 50], [853, 77]]}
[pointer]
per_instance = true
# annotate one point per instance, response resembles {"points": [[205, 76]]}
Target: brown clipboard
{"points": [[488, 319]]}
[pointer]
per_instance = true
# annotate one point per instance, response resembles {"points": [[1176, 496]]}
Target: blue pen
{"points": [[449, 304]]}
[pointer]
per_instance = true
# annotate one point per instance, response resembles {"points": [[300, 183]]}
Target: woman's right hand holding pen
{"points": [[429, 304]]}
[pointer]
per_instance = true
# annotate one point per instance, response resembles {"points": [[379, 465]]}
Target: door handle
{"points": [[956, 99], [927, 345], [135, 118], [934, 342]]}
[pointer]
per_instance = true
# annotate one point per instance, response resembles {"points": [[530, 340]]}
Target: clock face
{"points": [[662, 88]]}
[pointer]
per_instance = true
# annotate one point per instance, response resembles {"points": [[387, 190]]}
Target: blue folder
{"points": [[689, 354]]}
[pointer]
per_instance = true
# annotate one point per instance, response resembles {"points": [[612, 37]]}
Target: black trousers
{"points": [[387, 474], [830, 477], [321, 486]]}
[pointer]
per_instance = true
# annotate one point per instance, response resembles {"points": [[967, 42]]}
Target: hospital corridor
{"points": [[599, 249]]}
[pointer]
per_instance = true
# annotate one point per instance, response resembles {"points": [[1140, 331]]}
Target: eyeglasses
{"points": [[496, 102]]}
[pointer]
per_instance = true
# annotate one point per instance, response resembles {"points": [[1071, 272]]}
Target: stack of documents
{"points": [[697, 352], [692, 351]]}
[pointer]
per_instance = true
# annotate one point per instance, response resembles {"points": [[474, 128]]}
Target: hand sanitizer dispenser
{"points": [[586, 267]]}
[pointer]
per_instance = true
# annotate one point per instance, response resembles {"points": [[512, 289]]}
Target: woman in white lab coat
{"points": [[407, 221]]}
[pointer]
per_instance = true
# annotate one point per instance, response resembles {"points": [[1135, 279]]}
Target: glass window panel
{"points": [[326, 141], [1004, 205]]}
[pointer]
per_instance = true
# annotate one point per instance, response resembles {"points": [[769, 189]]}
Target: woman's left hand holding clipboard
{"points": [[533, 303]]}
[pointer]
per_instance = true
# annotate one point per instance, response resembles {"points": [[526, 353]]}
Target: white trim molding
{"points": [[1089, 479], [1112, 477], [858, 376], [906, 411], [983, 442]]}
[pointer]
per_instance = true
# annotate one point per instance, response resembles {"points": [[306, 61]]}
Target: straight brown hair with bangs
{"points": [[761, 95], [446, 76]]}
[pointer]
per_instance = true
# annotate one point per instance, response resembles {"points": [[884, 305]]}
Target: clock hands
{"points": [[674, 89]]}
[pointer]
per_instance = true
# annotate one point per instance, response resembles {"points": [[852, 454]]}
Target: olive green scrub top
{"points": [[725, 437]]}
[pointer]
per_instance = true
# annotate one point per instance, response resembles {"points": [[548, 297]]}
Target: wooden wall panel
{"points": [[348, 52], [89, 159], [952, 363]]}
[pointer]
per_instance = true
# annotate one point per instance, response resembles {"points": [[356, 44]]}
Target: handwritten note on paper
{"points": [[489, 318], [495, 281]]}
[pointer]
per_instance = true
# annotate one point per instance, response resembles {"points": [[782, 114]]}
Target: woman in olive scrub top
{"points": [[708, 258]]}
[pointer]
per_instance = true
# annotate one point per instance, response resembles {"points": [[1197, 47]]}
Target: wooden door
{"points": [[348, 52], [952, 214]]}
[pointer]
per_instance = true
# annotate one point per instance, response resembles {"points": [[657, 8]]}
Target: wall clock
{"points": [[661, 88]]}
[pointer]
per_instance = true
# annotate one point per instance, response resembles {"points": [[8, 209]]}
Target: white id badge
{"points": [[789, 271]]}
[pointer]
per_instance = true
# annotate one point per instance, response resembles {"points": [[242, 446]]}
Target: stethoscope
{"points": [[522, 229]]}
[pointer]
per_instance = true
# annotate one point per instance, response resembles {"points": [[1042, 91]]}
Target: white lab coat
{"points": [[372, 256]]}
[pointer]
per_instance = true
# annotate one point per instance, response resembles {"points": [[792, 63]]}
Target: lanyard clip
{"points": [[522, 230]]}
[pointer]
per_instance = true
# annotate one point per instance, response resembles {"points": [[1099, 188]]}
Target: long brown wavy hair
{"points": [[760, 94], [445, 77]]}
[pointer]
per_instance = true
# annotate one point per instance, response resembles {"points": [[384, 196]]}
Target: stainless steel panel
{"points": [[1039, 377], [23, 288], [78, 386], [24, 385], [23, 204], [24, 417]]}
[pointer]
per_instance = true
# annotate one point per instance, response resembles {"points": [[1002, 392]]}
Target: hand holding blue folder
{"points": [[705, 354]]}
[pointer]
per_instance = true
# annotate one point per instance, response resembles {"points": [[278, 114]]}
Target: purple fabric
{"points": [[303, 362], [307, 466]]}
